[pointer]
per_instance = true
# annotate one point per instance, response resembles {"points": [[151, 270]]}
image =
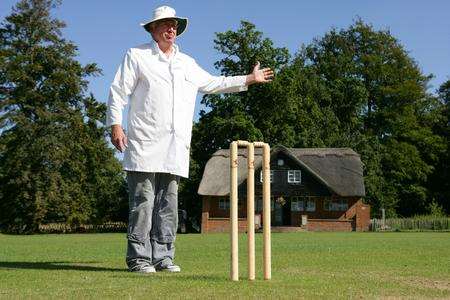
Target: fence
{"points": [[66, 228], [411, 224]]}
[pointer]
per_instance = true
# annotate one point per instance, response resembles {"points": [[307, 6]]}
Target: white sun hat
{"points": [[166, 12]]}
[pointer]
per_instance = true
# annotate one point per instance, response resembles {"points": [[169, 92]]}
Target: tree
{"points": [[378, 95], [232, 116], [439, 187], [54, 160]]}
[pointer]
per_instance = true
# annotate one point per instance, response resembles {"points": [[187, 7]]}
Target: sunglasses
{"points": [[168, 23]]}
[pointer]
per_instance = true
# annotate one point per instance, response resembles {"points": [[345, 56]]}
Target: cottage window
{"points": [[310, 205], [261, 176], [259, 204], [343, 205], [303, 203], [294, 176], [294, 206], [336, 205], [297, 204], [280, 162], [224, 203]]}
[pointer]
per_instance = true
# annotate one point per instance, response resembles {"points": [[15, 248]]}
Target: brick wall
{"points": [[329, 225], [362, 217], [216, 220], [223, 225]]}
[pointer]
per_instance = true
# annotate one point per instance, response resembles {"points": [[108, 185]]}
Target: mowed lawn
{"points": [[304, 265]]}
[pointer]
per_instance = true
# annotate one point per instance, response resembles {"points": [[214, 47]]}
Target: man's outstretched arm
{"points": [[209, 84]]}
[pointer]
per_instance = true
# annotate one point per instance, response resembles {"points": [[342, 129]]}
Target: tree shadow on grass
{"points": [[56, 265]]}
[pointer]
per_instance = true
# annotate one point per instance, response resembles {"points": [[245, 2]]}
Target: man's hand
{"points": [[118, 138], [259, 75]]}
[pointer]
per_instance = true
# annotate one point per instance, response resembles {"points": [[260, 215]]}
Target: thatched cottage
{"points": [[317, 189]]}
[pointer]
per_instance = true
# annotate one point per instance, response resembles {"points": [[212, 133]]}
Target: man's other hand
{"points": [[259, 75], [118, 138]]}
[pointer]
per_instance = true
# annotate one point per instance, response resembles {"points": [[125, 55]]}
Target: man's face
{"points": [[165, 31]]}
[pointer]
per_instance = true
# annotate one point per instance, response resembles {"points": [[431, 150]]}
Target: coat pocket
{"points": [[142, 126]]}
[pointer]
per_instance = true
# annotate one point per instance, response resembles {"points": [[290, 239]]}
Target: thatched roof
{"points": [[339, 169]]}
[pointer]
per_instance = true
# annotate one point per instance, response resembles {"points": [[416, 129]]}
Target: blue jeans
{"points": [[153, 219]]}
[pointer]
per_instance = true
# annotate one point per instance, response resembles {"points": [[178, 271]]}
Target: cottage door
{"points": [[278, 214], [287, 213], [281, 211]]}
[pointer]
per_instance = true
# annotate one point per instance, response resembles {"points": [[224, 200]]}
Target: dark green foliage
{"points": [[54, 160], [378, 95], [355, 87], [232, 116], [439, 183]]}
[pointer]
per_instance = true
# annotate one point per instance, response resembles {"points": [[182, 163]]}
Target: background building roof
{"points": [[339, 169]]}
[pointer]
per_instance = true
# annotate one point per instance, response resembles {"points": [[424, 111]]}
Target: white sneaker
{"points": [[144, 269], [171, 268]]}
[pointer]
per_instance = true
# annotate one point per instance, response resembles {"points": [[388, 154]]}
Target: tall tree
{"points": [[438, 183], [378, 94], [232, 116], [55, 163], [244, 115]]}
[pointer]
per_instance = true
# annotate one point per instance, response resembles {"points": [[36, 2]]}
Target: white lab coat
{"points": [[161, 95]]}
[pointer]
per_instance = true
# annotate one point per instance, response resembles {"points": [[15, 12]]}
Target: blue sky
{"points": [[104, 29]]}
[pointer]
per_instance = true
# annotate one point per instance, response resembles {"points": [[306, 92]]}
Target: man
{"points": [[160, 84]]}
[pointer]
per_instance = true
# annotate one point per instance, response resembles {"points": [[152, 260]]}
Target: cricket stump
{"points": [[234, 274]]}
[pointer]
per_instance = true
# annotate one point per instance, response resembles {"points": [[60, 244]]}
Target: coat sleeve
{"points": [[209, 84], [121, 88]]}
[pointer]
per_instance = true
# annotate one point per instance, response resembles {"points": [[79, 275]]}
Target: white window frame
{"points": [[336, 205], [304, 203], [312, 207], [298, 203], [261, 176], [294, 176], [294, 206]]}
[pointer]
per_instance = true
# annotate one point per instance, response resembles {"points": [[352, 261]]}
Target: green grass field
{"points": [[304, 265]]}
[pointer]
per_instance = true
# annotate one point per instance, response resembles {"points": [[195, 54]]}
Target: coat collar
{"points": [[161, 55]]}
